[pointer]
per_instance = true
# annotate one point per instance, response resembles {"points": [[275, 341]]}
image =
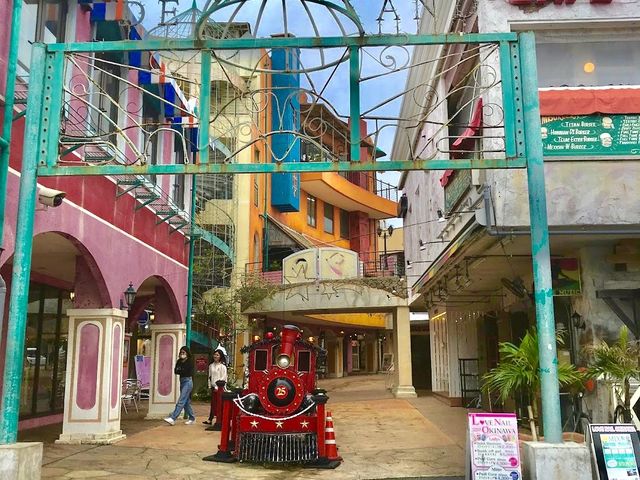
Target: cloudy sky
{"points": [[373, 92]]}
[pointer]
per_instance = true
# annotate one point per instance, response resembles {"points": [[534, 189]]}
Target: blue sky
{"points": [[372, 92]]}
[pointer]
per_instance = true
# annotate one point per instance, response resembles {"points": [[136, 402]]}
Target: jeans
{"points": [[186, 385]]}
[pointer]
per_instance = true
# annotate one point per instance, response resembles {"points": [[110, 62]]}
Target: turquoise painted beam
{"points": [[17, 318], [284, 167], [282, 42], [354, 100], [540, 249]]}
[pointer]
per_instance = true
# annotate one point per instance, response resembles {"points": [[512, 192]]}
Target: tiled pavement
{"points": [[378, 436]]}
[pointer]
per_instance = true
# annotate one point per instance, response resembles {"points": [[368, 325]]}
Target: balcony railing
{"points": [[377, 266], [371, 182]]}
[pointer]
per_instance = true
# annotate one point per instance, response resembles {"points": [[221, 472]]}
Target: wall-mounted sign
{"points": [[616, 451], [597, 136], [458, 185], [565, 277], [493, 446]]}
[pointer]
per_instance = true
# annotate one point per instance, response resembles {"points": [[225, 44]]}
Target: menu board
{"points": [[494, 449], [616, 449], [591, 136]]}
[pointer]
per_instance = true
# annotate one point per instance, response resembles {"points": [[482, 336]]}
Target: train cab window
{"points": [[260, 361], [274, 354], [304, 361]]}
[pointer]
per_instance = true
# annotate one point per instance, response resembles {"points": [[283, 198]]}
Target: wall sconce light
{"points": [[440, 216], [72, 295], [578, 322], [129, 297], [311, 339], [256, 338], [423, 245], [152, 317]]}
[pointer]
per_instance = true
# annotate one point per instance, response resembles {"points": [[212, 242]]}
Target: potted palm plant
{"points": [[519, 371], [617, 363]]}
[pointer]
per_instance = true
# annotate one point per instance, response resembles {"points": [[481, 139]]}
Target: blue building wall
{"points": [[285, 187]]}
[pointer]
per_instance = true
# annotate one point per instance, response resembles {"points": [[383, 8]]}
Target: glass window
{"points": [[311, 211], [328, 218], [260, 362], [44, 368], [589, 64], [50, 18], [304, 361], [344, 224], [179, 180]]}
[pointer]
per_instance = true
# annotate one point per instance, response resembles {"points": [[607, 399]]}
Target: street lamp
{"points": [[384, 233]]}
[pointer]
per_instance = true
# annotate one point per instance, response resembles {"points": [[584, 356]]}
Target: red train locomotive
{"points": [[280, 416]]}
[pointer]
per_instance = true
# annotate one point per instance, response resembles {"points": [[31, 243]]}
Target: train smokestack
{"points": [[289, 335]]}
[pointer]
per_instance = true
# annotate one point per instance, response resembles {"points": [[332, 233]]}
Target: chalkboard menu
{"points": [[591, 136], [616, 450]]}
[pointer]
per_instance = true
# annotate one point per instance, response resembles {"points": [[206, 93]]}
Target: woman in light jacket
{"points": [[217, 372]]}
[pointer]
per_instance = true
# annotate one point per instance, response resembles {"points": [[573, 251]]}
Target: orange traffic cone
{"points": [[331, 450]]}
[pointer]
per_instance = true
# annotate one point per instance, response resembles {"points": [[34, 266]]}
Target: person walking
{"points": [[217, 373], [184, 368]]}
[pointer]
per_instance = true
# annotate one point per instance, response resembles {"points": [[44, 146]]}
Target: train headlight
{"points": [[283, 360]]}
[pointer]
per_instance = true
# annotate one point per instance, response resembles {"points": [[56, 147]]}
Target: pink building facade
{"points": [[88, 250]]}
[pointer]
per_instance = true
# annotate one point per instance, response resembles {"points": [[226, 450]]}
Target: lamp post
{"points": [[384, 233]]}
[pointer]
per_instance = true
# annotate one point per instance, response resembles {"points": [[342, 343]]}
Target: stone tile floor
{"points": [[378, 436]]}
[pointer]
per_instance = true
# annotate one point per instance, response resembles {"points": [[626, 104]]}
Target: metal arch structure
{"points": [[510, 139]]}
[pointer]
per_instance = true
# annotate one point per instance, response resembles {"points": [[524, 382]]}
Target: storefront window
{"points": [[588, 64], [45, 359]]}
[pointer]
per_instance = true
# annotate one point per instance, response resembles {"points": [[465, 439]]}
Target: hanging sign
{"points": [[565, 277], [494, 452], [616, 451]]}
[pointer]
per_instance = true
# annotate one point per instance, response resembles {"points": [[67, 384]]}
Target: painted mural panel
{"points": [[165, 364], [115, 365], [300, 267], [338, 264], [87, 384]]}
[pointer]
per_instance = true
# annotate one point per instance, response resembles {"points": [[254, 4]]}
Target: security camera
{"points": [[50, 197]]}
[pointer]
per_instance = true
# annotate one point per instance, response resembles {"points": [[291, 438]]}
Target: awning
{"points": [[464, 142], [586, 101], [282, 235]]}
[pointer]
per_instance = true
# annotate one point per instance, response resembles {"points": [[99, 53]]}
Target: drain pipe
{"points": [[494, 231]]}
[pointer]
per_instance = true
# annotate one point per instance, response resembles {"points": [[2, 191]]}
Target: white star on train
{"points": [[254, 424], [279, 424], [304, 424]]}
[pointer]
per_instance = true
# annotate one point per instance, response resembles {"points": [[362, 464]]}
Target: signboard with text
{"points": [[616, 451], [565, 277], [493, 446], [599, 136]]}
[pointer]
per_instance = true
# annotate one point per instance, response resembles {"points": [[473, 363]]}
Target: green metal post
{"points": [[205, 106], [192, 249], [354, 99], [14, 357], [9, 98], [540, 250]]}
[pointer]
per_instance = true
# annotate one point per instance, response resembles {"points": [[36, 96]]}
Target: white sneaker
{"points": [[170, 420], [189, 422]]}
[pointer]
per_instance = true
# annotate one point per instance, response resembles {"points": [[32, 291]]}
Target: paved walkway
{"points": [[378, 436]]}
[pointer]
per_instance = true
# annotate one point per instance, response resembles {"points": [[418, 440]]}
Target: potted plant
{"points": [[616, 363], [519, 371]]}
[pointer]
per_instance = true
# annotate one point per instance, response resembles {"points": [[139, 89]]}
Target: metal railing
{"points": [[377, 266], [372, 183]]}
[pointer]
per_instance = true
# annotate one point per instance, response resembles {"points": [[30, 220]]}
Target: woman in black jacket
{"points": [[184, 368]]}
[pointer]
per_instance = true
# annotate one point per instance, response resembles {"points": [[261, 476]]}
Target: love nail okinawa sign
{"points": [[494, 452]]}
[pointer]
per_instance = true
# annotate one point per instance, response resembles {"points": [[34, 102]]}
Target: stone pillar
{"points": [[93, 382], [339, 357], [403, 385], [164, 388], [376, 355]]}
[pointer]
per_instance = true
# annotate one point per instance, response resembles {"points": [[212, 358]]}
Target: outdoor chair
{"points": [[131, 389]]}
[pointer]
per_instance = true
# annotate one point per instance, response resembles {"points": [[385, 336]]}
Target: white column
{"points": [[93, 381], [403, 385], [164, 388]]}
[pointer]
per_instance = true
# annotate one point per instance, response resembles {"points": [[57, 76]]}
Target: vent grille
{"points": [[278, 447]]}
